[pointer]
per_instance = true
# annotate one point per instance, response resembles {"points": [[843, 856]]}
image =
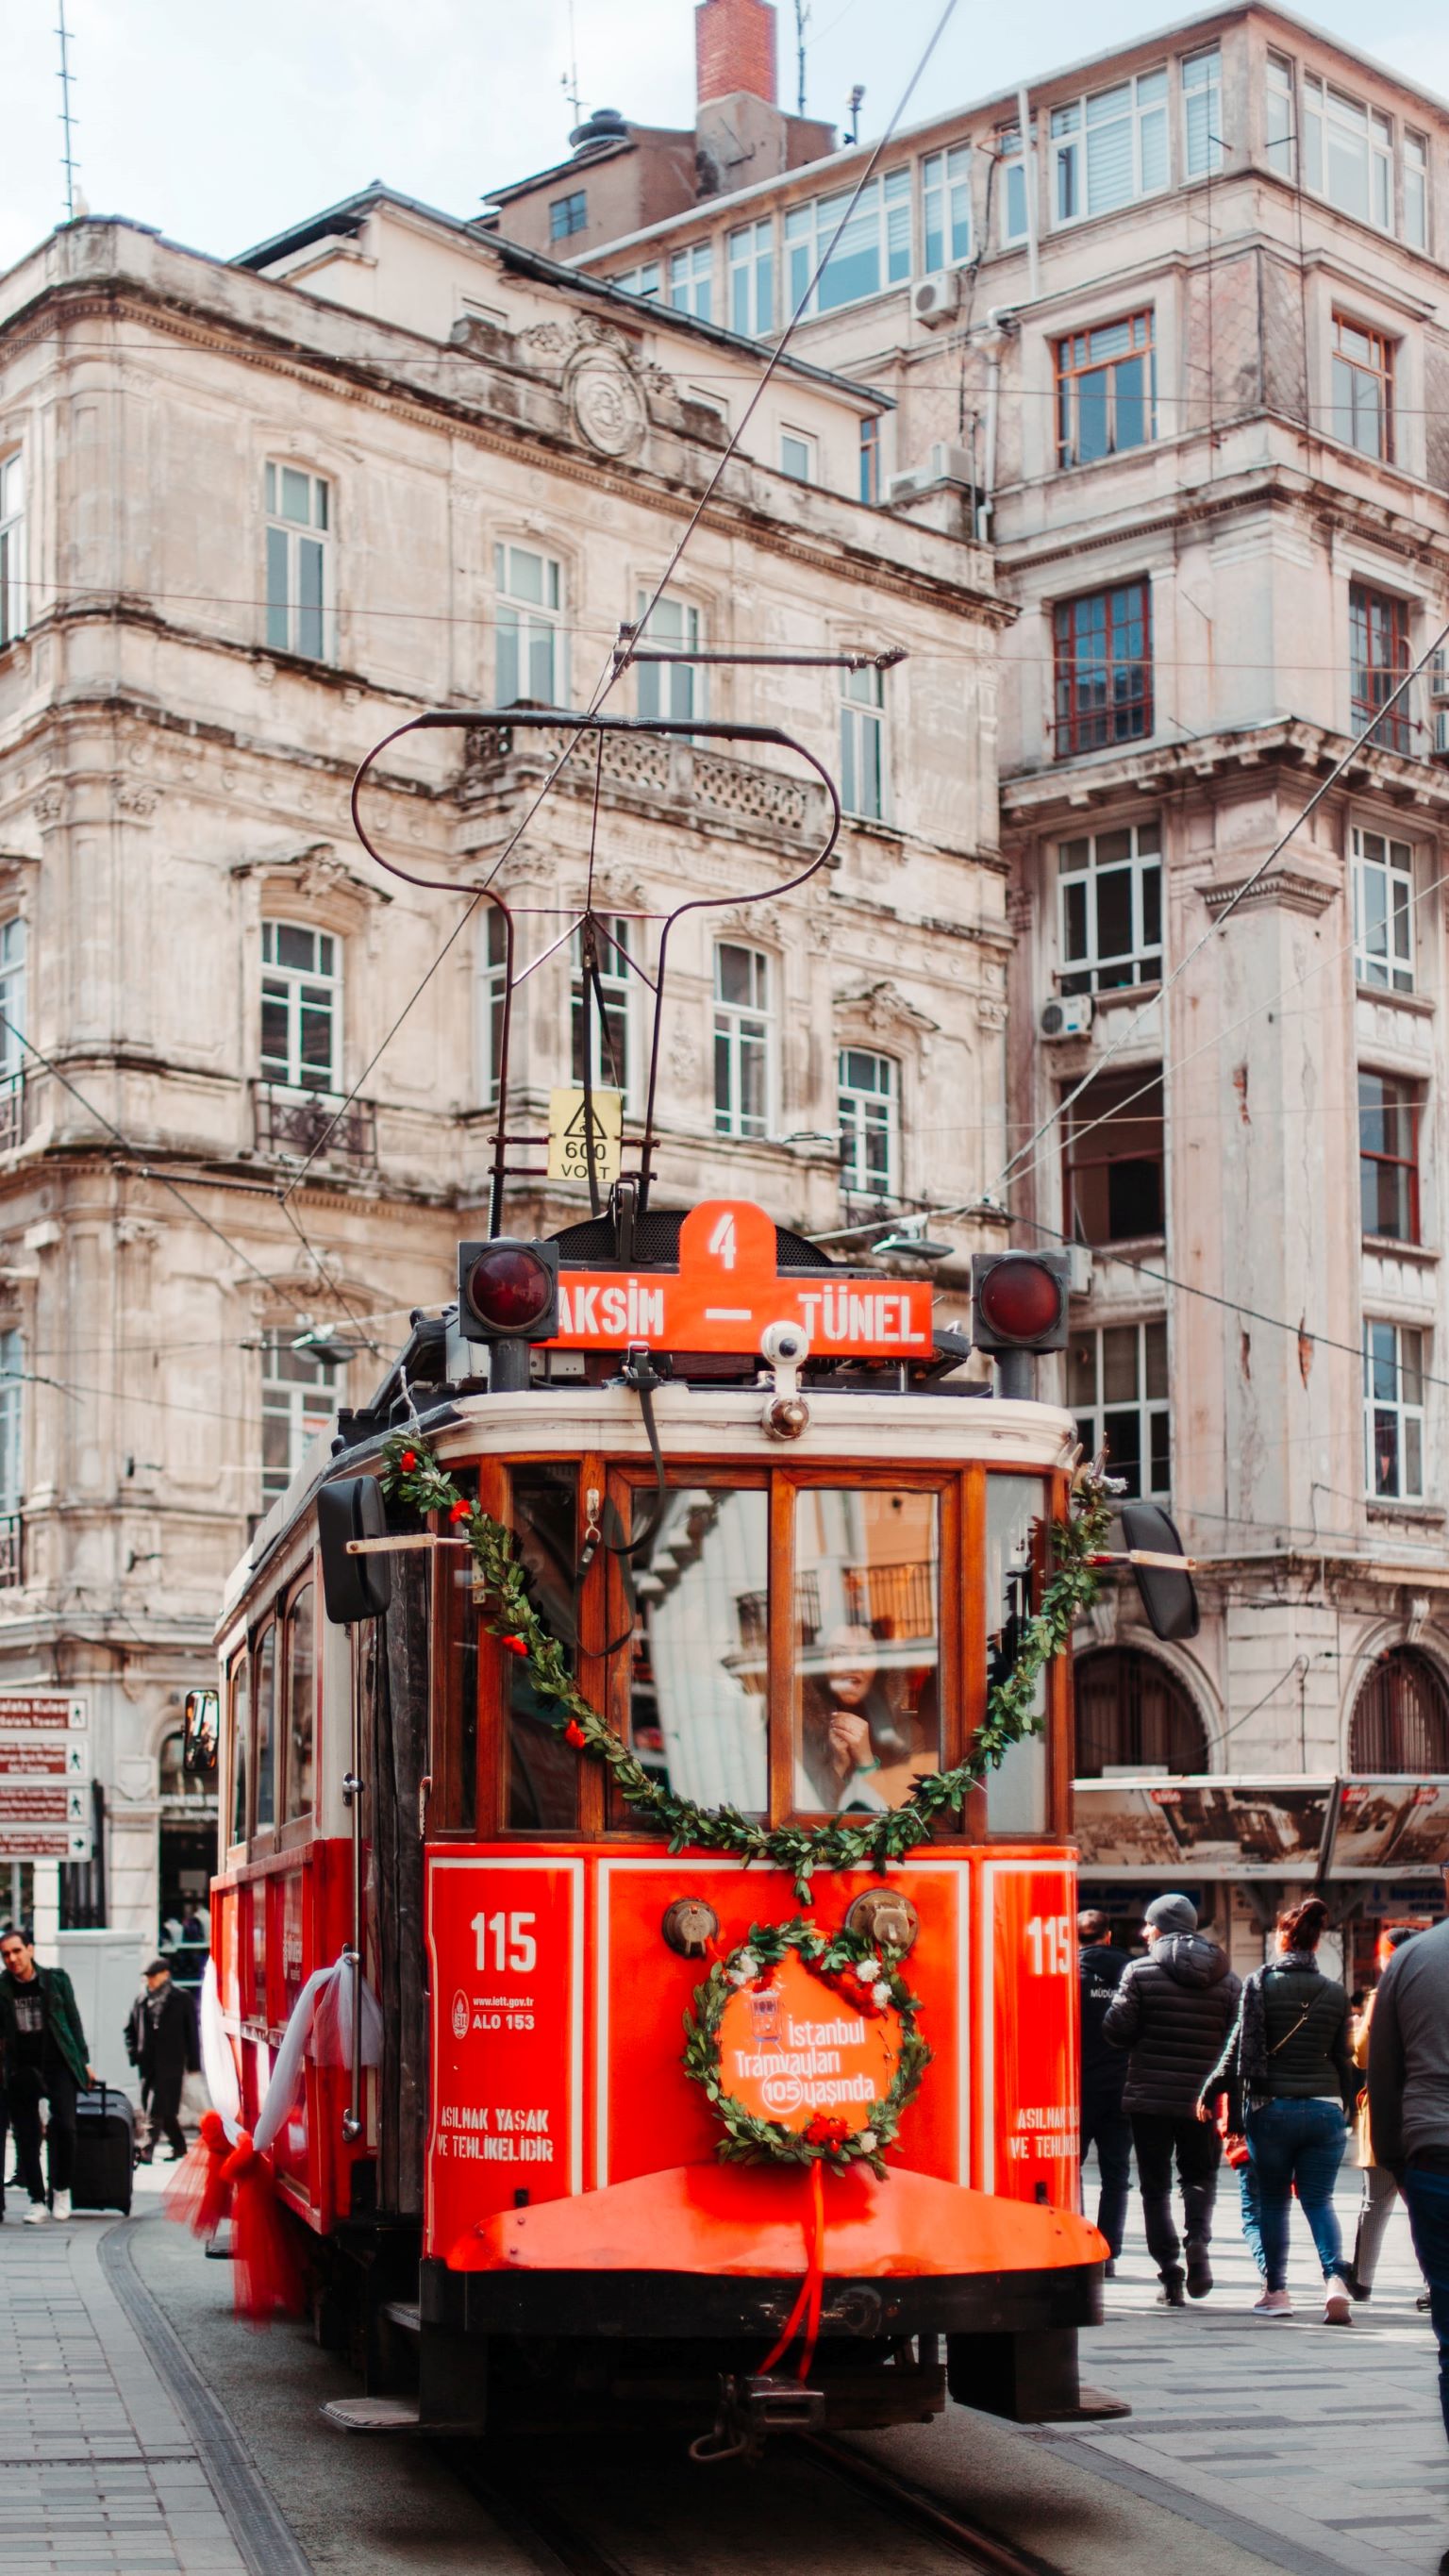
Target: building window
{"points": [[870, 1123], [946, 207], [1388, 1156], [1416, 190], [1379, 643], [1014, 210], [1383, 911], [568, 215], [1111, 148], [691, 280], [1348, 153], [862, 745], [742, 1041], [1202, 113], [1393, 1395], [301, 1007], [673, 692], [1363, 389], [870, 459], [1103, 668], [1114, 1155], [798, 456], [1278, 137], [298, 1401], [643, 282], [12, 999], [1117, 1388], [1132, 1712], [873, 251], [12, 1419], [751, 253], [530, 659], [299, 524], [492, 998], [1401, 1717], [1109, 898], [12, 548], [609, 1053], [1106, 390]]}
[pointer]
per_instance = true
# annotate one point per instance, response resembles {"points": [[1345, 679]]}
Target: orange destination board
{"points": [[727, 1290]]}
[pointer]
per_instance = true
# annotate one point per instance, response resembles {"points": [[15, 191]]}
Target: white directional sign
{"points": [[46, 1757], [44, 1842], [43, 1713], [43, 1802]]}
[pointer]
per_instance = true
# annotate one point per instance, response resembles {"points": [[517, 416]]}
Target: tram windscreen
{"points": [[867, 1700], [1016, 1788], [699, 1659], [543, 1771]]}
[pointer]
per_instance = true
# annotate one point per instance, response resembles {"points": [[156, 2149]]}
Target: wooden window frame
{"points": [[1079, 726], [1069, 369], [1371, 670], [1401, 1099], [1378, 367]]}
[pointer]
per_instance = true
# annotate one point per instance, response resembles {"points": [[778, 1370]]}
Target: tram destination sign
{"points": [[728, 1289]]}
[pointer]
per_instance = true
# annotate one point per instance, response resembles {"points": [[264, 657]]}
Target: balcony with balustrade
{"points": [[297, 1126], [660, 776]]}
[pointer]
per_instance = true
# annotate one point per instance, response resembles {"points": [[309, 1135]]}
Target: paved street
{"points": [[146, 2435]]}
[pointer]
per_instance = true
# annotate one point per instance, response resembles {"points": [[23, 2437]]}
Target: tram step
{"points": [[219, 2247], [403, 2313], [373, 2414]]}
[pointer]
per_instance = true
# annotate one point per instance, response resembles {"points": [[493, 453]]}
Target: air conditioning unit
{"points": [[937, 299], [1071, 1017], [942, 463]]}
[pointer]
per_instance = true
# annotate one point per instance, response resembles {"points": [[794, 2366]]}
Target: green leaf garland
{"points": [[411, 1475]]}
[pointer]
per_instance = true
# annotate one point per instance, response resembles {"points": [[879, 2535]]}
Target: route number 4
{"points": [[513, 1943], [1049, 1938]]}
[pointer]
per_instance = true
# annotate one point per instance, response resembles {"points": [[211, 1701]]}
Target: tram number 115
{"points": [[1048, 1938], [513, 1943]]}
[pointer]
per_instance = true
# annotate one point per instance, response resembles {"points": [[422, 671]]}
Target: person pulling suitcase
{"points": [[45, 2062], [161, 2041]]}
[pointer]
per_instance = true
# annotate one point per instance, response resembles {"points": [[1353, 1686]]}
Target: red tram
{"points": [[785, 1572]]}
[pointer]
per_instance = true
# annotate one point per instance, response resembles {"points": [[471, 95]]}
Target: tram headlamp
{"points": [[1019, 1300], [508, 1290]]}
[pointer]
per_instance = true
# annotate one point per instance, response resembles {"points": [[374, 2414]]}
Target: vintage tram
{"points": [[790, 1569]]}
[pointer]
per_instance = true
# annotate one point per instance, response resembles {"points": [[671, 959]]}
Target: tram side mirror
{"points": [[353, 1587], [201, 1731], [1169, 1597]]}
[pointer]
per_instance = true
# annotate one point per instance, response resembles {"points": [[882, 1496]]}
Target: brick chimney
{"points": [[734, 49]]}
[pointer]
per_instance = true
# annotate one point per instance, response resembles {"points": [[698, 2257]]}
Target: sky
{"points": [[221, 126]]}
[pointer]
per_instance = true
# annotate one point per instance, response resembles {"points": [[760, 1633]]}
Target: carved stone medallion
{"points": [[608, 407]]}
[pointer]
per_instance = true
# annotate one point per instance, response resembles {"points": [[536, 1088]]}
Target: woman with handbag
{"points": [[1289, 2077]]}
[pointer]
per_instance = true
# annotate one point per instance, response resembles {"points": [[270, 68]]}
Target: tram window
{"points": [[241, 1746], [543, 1771], [699, 1654], [457, 1788], [867, 1702], [1016, 1789], [301, 1700], [266, 1662]]}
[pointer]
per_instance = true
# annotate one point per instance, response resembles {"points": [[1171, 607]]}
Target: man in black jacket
{"points": [[1105, 2124], [161, 2042], [1172, 2013]]}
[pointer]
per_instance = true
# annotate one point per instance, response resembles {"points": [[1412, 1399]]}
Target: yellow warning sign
{"points": [[569, 1145]]}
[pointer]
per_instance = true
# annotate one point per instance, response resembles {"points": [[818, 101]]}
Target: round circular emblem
{"points": [[460, 2015], [608, 407]]}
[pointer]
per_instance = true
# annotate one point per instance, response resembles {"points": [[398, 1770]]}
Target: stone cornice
{"points": [[1073, 789]]}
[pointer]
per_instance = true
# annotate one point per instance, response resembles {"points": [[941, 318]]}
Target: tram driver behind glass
{"points": [[867, 1694]]}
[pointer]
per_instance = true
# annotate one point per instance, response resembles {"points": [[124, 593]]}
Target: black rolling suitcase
{"points": [[105, 2150]]}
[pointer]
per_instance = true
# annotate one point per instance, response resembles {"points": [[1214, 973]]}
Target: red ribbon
{"points": [[804, 2317], [266, 2272], [198, 2196]]}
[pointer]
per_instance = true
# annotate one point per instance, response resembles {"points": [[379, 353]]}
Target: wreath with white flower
{"points": [[863, 1976]]}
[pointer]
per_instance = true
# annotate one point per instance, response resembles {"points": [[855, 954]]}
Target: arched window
{"points": [[1131, 1710], [1401, 1716]]}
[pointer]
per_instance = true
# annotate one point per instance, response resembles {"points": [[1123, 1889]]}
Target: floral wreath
{"points": [[868, 1980], [411, 1475]]}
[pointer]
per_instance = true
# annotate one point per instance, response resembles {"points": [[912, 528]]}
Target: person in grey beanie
{"points": [[1171, 2013]]}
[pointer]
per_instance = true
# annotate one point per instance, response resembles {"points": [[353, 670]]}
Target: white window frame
{"points": [[864, 783], [1075, 122], [691, 280], [295, 547], [524, 625], [12, 1420], [750, 263], [744, 1038], [646, 281], [946, 208], [869, 1115], [1377, 856], [1202, 134], [285, 1399], [1280, 115], [807, 447], [13, 618], [13, 946], [1091, 1419], [303, 990], [1332, 117], [1414, 154], [1015, 177], [1085, 974], [677, 692], [492, 994], [879, 228], [619, 983], [1386, 1343]]}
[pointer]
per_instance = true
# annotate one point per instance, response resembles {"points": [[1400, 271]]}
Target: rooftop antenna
{"points": [[569, 80], [64, 76], [857, 100], [802, 21]]}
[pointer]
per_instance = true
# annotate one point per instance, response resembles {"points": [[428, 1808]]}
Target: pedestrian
{"points": [[48, 2064], [1291, 2087], [162, 2030], [1171, 2013], [1408, 2082], [1380, 2190], [1105, 2125]]}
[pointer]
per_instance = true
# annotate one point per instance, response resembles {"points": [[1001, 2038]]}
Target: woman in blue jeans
{"points": [[1289, 2077]]}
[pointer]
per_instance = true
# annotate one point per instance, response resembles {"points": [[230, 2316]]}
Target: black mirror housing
{"points": [[353, 1587], [1168, 1597]]}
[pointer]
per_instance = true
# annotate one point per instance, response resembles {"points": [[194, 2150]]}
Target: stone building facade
{"points": [[253, 516]]}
